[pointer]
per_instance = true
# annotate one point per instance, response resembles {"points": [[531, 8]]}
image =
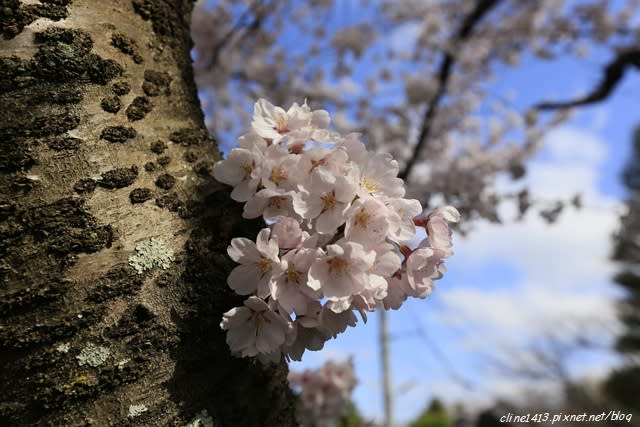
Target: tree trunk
{"points": [[113, 233]]}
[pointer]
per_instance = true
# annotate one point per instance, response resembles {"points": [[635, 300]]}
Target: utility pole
{"points": [[386, 370]]}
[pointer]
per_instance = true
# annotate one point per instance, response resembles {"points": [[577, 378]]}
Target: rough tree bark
{"points": [[113, 233]]}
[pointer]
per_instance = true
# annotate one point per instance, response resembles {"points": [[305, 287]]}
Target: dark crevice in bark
{"points": [[244, 392]]}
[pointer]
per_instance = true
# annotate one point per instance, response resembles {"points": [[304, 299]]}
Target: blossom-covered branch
{"points": [[337, 236]]}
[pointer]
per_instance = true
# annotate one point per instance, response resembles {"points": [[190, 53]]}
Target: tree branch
{"points": [[613, 74], [250, 27], [444, 72]]}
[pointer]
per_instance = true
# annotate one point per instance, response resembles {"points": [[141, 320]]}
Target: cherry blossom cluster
{"points": [[336, 238], [324, 393]]}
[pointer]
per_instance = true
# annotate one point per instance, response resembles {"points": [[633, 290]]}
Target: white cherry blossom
{"points": [[342, 270], [258, 263], [401, 225], [242, 170], [270, 204], [288, 232], [290, 288], [326, 199], [254, 329], [425, 265], [279, 168], [368, 221]]}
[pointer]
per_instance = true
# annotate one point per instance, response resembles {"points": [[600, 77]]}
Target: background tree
{"points": [[624, 381], [415, 77], [434, 416], [113, 234]]}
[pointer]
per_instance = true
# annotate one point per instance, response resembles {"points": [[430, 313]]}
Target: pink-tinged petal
{"points": [[339, 305], [403, 227], [243, 279], [268, 120], [360, 258], [449, 213], [262, 287], [235, 317], [367, 221], [288, 233], [298, 116], [320, 119], [251, 141], [387, 263], [396, 294], [322, 179], [339, 286], [243, 250], [290, 298], [312, 207], [227, 173], [266, 246], [301, 205], [241, 331], [256, 304], [241, 338], [244, 190], [254, 207], [347, 186], [317, 272], [425, 289], [331, 219], [336, 323], [271, 334]]}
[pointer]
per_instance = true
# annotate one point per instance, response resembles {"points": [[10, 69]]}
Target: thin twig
{"points": [[613, 74]]}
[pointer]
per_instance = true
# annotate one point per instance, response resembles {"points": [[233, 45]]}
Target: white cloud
{"points": [[575, 146], [563, 271], [572, 252]]}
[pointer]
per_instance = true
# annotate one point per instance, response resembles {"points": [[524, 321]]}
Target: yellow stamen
{"points": [[275, 202], [328, 201], [370, 186], [293, 276], [264, 265], [337, 266], [362, 218], [248, 169], [281, 125], [278, 175]]}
